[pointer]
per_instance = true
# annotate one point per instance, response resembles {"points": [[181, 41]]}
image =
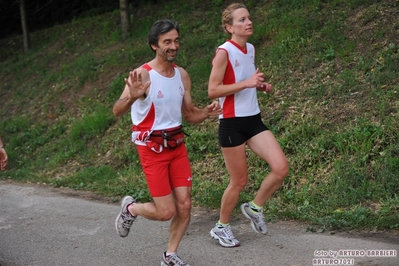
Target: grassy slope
{"points": [[334, 109]]}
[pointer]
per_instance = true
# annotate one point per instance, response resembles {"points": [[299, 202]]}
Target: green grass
{"points": [[334, 109]]}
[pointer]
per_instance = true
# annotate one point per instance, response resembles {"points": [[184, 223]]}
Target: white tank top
{"points": [[240, 66], [161, 109]]}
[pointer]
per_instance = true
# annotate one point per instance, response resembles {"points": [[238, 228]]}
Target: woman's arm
{"points": [[217, 89]]}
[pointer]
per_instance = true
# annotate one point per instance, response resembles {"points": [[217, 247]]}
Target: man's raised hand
{"points": [[135, 84]]}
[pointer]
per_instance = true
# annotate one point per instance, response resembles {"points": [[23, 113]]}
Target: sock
{"points": [[127, 208], [221, 224], [169, 253], [255, 208]]}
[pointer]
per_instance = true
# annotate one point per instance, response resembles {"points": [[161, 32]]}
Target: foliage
{"points": [[334, 109]]}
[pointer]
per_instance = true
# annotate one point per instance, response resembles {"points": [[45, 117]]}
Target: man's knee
{"points": [[166, 214], [184, 207]]}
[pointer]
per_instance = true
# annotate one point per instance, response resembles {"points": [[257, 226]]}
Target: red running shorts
{"points": [[166, 170]]}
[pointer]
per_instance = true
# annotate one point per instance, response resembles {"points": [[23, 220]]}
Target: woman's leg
{"points": [[267, 147], [236, 164]]}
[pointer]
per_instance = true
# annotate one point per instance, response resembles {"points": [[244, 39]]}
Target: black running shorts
{"points": [[236, 131]]}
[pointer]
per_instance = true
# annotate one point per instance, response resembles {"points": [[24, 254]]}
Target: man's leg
{"points": [[156, 170], [161, 209], [181, 219], [164, 211]]}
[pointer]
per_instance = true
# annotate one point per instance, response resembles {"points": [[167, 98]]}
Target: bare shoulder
{"points": [[220, 55], [141, 69], [185, 77], [183, 72], [143, 72]]}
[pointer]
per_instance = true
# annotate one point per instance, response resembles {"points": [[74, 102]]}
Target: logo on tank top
{"points": [[181, 90], [236, 63], [160, 95]]}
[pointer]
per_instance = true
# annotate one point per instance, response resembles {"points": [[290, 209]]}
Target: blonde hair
{"points": [[227, 15]]}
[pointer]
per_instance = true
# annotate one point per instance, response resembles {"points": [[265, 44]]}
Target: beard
{"points": [[170, 57]]}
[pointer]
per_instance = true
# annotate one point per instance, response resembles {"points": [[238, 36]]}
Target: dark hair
{"points": [[161, 27]]}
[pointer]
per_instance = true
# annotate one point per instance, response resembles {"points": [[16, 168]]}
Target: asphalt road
{"points": [[41, 226]]}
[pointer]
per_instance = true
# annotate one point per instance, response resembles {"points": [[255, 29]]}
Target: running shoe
{"points": [[172, 260], [257, 220], [225, 236], [124, 220]]}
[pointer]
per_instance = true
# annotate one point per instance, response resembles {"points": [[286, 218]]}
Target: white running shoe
{"points": [[225, 236], [124, 220], [257, 219], [172, 260]]}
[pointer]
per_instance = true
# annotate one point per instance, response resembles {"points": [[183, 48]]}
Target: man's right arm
{"points": [[123, 104], [134, 89]]}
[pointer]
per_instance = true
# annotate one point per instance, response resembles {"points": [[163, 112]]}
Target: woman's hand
{"points": [[256, 80], [265, 87]]}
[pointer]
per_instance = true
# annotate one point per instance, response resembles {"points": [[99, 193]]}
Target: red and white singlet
{"points": [[240, 66], [161, 109]]}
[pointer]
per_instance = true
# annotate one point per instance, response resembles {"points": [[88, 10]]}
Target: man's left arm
{"points": [[191, 113]]}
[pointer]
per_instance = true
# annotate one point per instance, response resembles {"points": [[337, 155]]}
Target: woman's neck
{"points": [[241, 41]]}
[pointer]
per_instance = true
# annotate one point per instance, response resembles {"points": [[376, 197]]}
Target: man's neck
{"points": [[164, 68]]}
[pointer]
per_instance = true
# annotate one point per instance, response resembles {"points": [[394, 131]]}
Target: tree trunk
{"points": [[24, 24], [125, 17]]}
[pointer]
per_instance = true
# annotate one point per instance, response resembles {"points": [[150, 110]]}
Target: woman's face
{"points": [[242, 24]]}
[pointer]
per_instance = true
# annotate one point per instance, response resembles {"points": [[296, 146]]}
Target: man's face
{"points": [[168, 44]]}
